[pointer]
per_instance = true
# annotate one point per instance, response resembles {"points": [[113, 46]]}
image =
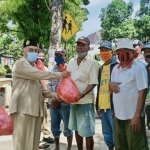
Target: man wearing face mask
{"points": [[146, 50], [59, 109], [138, 45], [104, 104], [26, 105], [84, 72], [129, 87]]}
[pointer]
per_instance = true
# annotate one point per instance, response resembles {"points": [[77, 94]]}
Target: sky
{"points": [[93, 23]]}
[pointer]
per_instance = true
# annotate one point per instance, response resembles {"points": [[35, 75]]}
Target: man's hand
{"points": [[66, 73], [113, 87], [113, 114], [82, 95], [56, 104], [136, 124], [98, 113]]}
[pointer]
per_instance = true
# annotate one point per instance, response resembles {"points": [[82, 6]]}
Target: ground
{"points": [[99, 144]]}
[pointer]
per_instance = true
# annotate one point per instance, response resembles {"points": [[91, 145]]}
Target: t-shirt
{"points": [[132, 81], [104, 94], [83, 75]]}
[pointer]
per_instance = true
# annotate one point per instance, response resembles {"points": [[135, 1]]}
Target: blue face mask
{"points": [[59, 60], [32, 57]]}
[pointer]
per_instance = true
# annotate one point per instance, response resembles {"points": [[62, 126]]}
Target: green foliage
{"points": [[2, 70], [7, 68], [31, 18], [142, 21], [11, 46], [116, 20]]}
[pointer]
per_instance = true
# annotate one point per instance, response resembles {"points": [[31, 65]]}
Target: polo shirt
{"points": [[133, 79], [83, 75]]}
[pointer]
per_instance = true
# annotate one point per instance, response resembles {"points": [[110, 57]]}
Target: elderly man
{"points": [[26, 105], [84, 72], [129, 86]]}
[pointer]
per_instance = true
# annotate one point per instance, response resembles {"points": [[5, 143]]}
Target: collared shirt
{"points": [[132, 80], [52, 85], [83, 75], [27, 92]]}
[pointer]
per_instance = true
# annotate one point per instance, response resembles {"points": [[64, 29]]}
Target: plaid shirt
{"points": [[52, 85]]}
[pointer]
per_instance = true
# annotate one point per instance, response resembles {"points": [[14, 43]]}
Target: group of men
{"points": [[120, 101]]}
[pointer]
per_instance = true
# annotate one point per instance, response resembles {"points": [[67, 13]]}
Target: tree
{"points": [[142, 21], [57, 8], [34, 17], [116, 20], [40, 19]]}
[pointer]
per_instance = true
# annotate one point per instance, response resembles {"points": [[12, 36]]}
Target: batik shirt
{"points": [[53, 84]]}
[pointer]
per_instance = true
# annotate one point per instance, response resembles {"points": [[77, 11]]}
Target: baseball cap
{"points": [[147, 45], [60, 51], [138, 42], [30, 42], [106, 44], [84, 40]]}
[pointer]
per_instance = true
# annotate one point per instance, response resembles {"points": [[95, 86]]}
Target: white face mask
{"points": [[82, 54]]}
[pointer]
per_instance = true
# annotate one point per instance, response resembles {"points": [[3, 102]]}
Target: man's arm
{"points": [[87, 90], [135, 122], [26, 71]]}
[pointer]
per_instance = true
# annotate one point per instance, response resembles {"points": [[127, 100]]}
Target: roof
{"points": [[95, 38]]}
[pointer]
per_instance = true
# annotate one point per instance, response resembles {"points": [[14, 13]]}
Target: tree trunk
{"points": [[55, 34]]}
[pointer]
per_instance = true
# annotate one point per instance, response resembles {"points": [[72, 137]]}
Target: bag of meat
{"points": [[67, 90], [6, 123]]}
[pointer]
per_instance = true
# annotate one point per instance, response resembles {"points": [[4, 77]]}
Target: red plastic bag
{"points": [[6, 123], [40, 66], [67, 90]]}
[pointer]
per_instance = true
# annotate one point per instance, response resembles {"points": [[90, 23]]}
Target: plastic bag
{"points": [[40, 66], [67, 90], [6, 123]]}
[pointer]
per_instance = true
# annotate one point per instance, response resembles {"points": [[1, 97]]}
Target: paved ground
{"points": [[6, 141]]}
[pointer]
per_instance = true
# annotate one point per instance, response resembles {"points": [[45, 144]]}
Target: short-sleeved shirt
{"points": [[132, 81], [83, 75]]}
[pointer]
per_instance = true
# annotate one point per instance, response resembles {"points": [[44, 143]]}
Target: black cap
{"points": [[84, 40], [30, 42]]}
